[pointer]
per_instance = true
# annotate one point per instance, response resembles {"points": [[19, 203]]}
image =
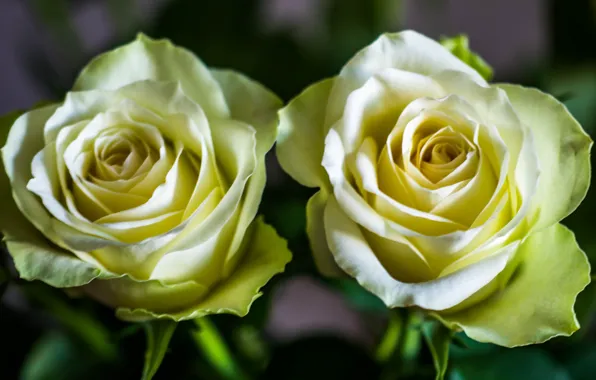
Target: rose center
{"points": [[121, 154], [439, 151]]}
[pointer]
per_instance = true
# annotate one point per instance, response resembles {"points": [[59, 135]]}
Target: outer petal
{"points": [[250, 206], [301, 139], [237, 159], [157, 60], [407, 50], [252, 103], [153, 294], [537, 303], [355, 256], [23, 142], [266, 255], [35, 257], [9, 208], [315, 228], [563, 150]]}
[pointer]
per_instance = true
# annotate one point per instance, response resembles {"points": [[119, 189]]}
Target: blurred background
{"points": [[304, 326]]}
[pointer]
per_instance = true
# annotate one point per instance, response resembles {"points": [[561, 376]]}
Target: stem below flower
{"points": [[399, 356], [216, 351]]}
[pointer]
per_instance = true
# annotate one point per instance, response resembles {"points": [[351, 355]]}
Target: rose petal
{"points": [[156, 60], [300, 143], [407, 51], [537, 303], [252, 103], [266, 254], [354, 255], [563, 150]]}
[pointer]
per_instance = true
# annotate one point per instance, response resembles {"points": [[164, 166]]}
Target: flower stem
{"points": [[399, 356], [216, 351]]}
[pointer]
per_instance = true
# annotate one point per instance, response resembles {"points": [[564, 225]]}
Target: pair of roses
{"points": [[437, 190]]}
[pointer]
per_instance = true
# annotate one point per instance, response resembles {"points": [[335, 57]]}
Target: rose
{"points": [[442, 192], [140, 189]]}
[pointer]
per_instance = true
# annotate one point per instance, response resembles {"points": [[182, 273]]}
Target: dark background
{"points": [[305, 327]]}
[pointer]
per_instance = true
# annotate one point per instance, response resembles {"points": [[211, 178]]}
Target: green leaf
{"points": [[159, 333], [515, 364], [56, 356], [460, 47], [438, 338]]}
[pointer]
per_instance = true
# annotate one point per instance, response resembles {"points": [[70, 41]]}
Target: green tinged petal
{"points": [[156, 295], [315, 228], [459, 47], [252, 103], [9, 209], [537, 303], [563, 150], [38, 259], [157, 60], [267, 254], [6, 121], [251, 200], [8, 206], [301, 139], [35, 258]]}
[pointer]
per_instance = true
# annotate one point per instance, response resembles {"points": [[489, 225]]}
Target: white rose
{"points": [[443, 192]]}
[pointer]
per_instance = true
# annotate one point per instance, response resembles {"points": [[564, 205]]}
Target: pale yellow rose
{"points": [[141, 188], [442, 192]]}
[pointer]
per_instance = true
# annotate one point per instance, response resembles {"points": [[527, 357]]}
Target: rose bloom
{"points": [[442, 192], [141, 188]]}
